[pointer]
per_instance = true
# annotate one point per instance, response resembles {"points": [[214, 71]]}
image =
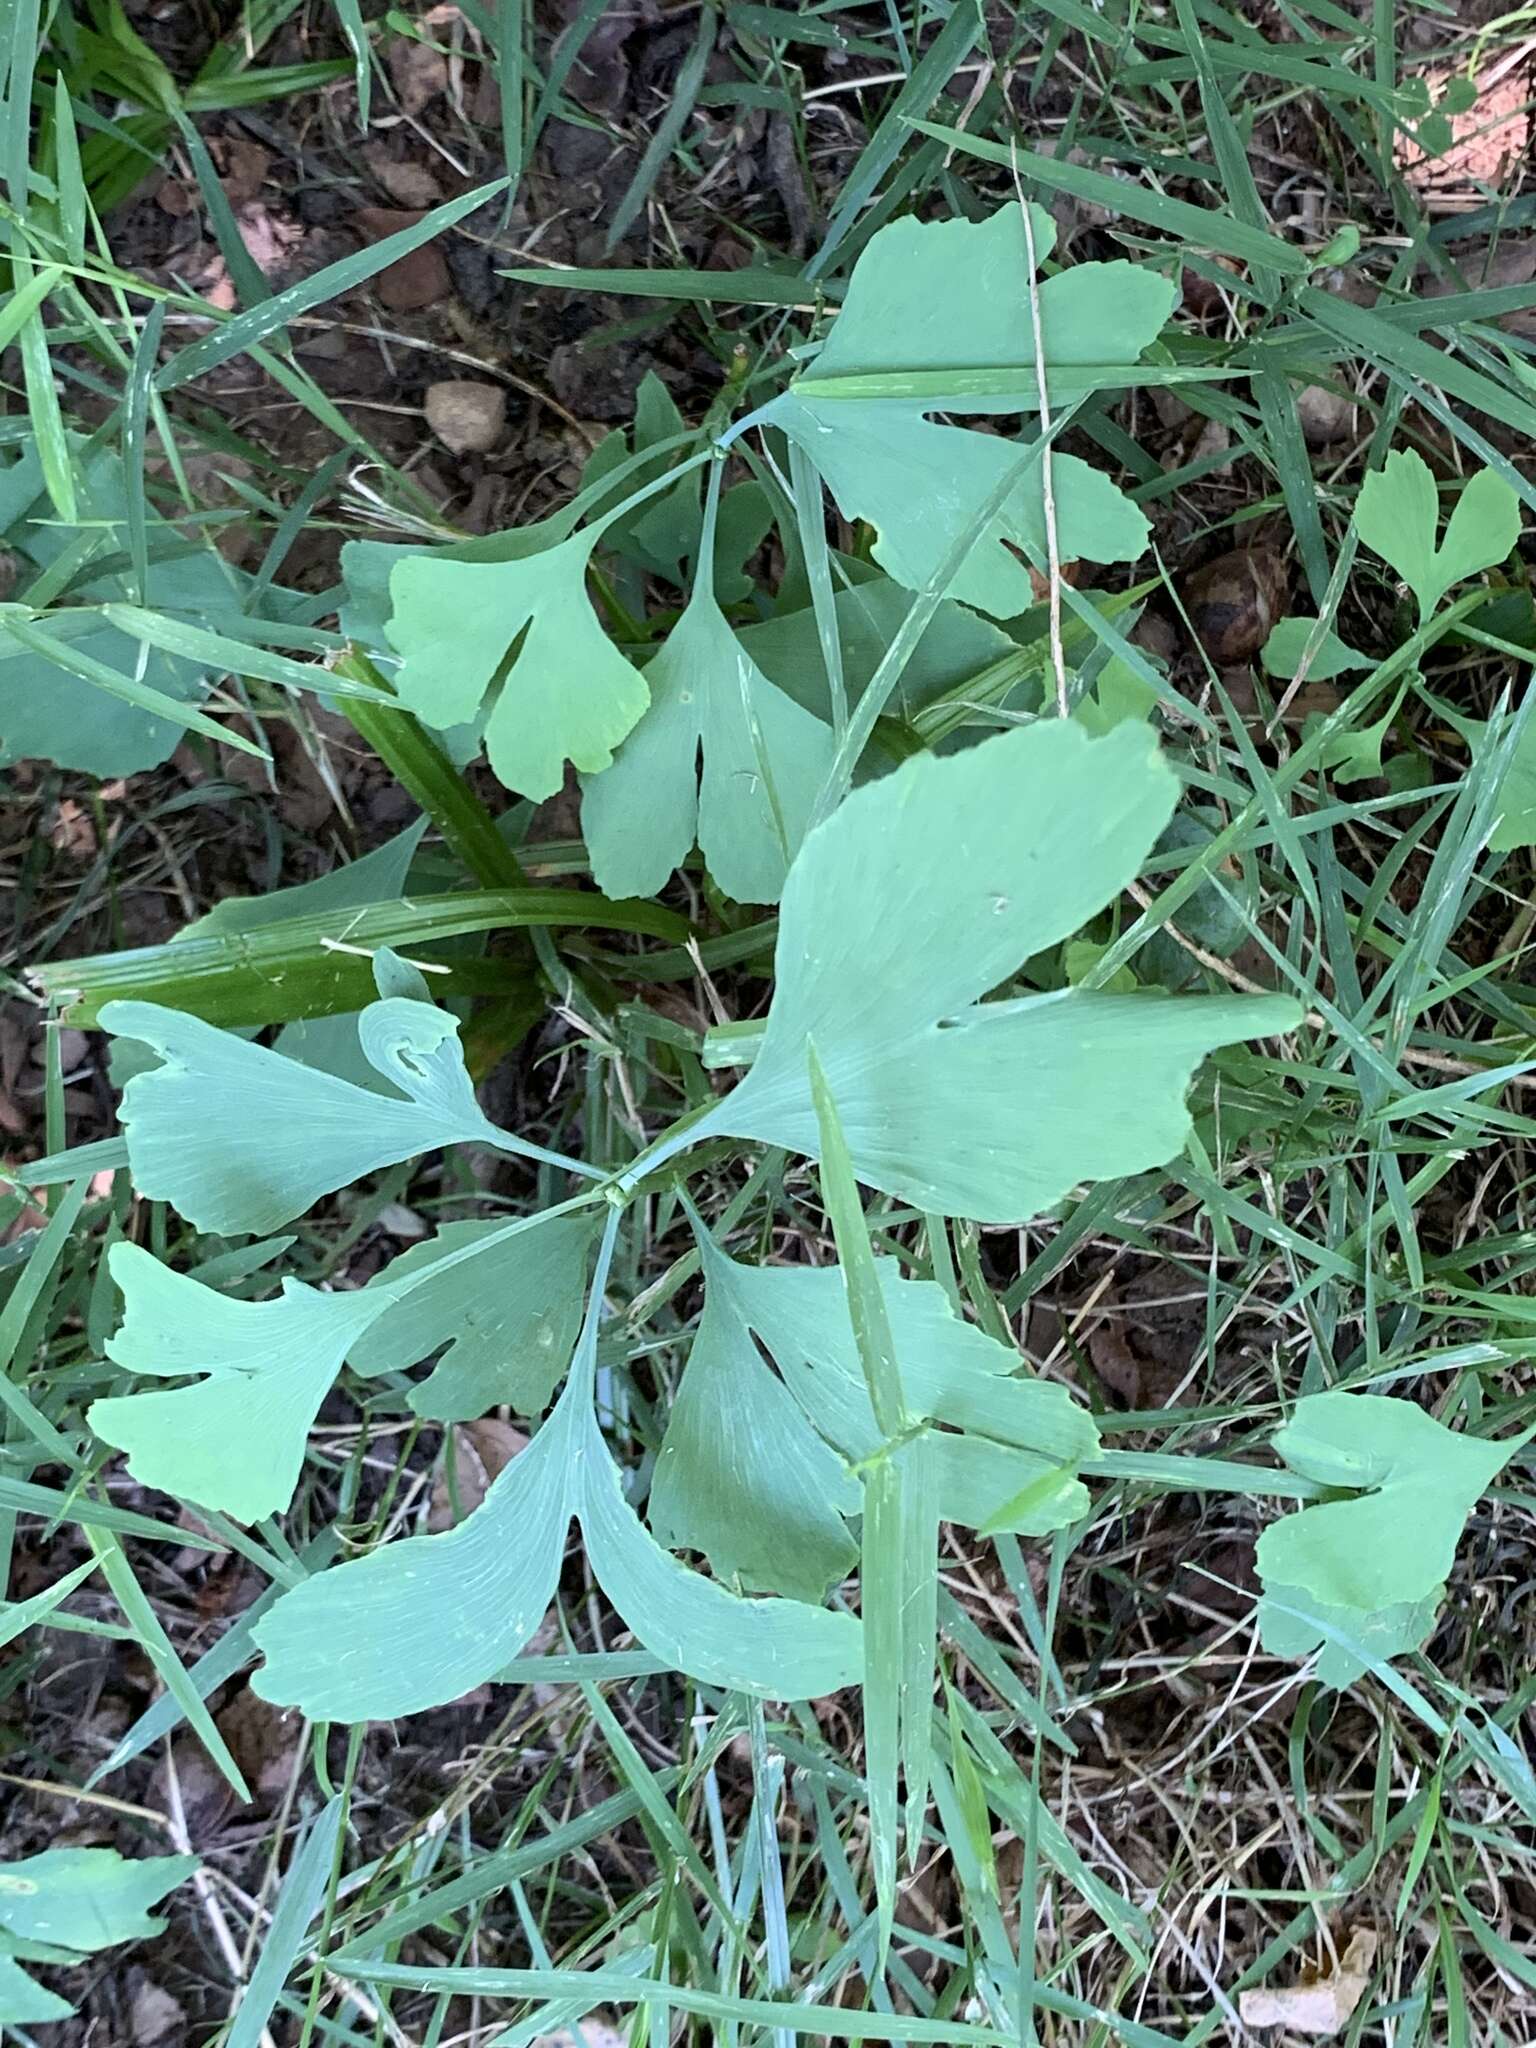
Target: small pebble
{"points": [[1326, 416], [466, 417]]}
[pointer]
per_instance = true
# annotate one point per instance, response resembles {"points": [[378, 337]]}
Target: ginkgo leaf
{"points": [[950, 1371], [235, 1440], [1346, 1640], [1291, 638], [920, 895], [927, 308], [1517, 793], [1118, 696], [1218, 916], [1516, 825], [420, 1622], [240, 1138], [24, 2002], [85, 1900], [954, 647], [772, 1649], [44, 709], [527, 631], [1397, 515], [662, 536], [1482, 530], [1376, 1564], [69, 1903], [742, 1475], [512, 1315], [764, 759]]}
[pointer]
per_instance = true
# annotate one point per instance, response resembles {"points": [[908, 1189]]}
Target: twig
{"points": [[202, 1884], [1047, 490]]}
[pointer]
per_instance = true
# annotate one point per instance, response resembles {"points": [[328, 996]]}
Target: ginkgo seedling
{"points": [[921, 894], [1397, 515], [939, 317], [1361, 1578]]}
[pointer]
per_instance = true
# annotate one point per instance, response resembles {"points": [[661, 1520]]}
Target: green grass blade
{"points": [[1176, 217], [25, 300], [37, 1280], [320, 964], [256, 323], [668, 130], [898, 1492], [159, 1649], [16, 1616], [299, 1900]]}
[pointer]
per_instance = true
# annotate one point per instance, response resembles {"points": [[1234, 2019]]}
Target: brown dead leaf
{"points": [[189, 1779], [73, 832], [1320, 2004], [417, 72], [242, 166], [263, 1740], [175, 197], [407, 183], [481, 1452], [270, 240], [155, 2019], [1040, 586]]}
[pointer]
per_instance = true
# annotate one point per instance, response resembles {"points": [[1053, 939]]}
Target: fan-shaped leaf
{"points": [[526, 630], [939, 315], [1374, 1566], [773, 1649], [1398, 512], [955, 647], [87, 1899], [746, 1475], [47, 711], [764, 759], [921, 894], [422, 1621], [1290, 640], [235, 1441], [416, 1623], [742, 1475], [69, 1903], [512, 1315], [240, 1138], [1016, 1429]]}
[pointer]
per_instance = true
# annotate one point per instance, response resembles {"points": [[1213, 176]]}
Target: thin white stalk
{"points": [[1047, 492]]}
